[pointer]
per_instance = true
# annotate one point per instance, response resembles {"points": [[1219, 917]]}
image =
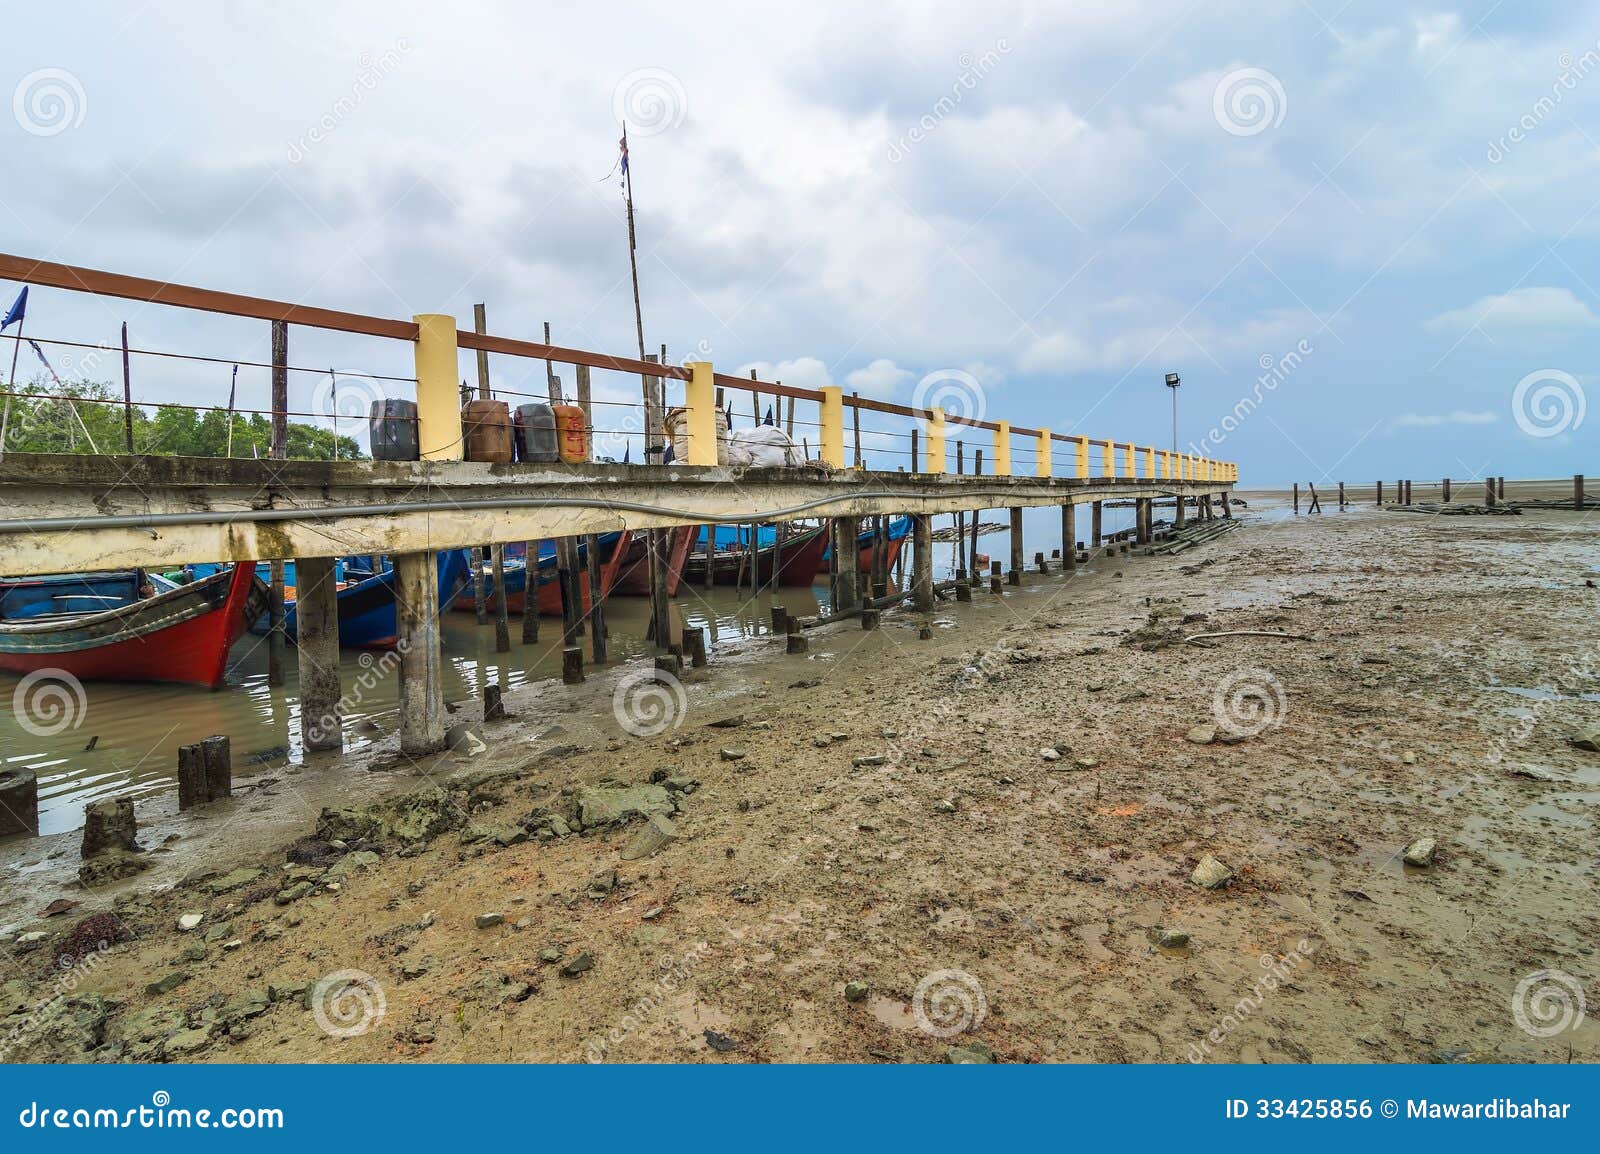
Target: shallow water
{"points": [[136, 729]]}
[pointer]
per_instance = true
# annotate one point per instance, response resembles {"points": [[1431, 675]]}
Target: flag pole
{"points": [[231, 391], [5, 421], [638, 311], [127, 393]]}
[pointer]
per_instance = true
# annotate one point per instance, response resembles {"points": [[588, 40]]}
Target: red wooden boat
{"points": [[898, 530], [182, 635], [547, 582], [797, 565], [633, 578]]}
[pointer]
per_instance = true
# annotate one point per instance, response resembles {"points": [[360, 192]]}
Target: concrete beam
{"points": [[54, 507]]}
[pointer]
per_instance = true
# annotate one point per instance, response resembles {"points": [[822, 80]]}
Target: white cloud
{"points": [[1440, 30], [802, 372], [880, 378], [1523, 308], [1434, 420]]}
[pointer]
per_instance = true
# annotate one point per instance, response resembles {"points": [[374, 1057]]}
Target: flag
{"points": [[768, 421], [18, 308], [622, 162], [626, 450], [232, 388], [43, 360]]}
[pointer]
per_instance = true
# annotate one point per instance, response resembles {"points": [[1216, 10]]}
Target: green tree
{"points": [[87, 417]]}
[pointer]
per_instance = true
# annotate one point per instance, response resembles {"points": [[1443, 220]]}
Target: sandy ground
{"points": [[900, 824]]}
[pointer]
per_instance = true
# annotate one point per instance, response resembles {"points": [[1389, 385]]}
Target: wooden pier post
{"points": [[1379, 500], [19, 802], [1446, 493], [1069, 538], [1341, 495], [1015, 576], [994, 576], [1227, 506], [416, 578], [1095, 521], [317, 648], [922, 562], [1500, 489], [1488, 492], [480, 598], [1297, 498], [694, 644], [278, 450], [494, 704], [1577, 490], [502, 624], [1180, 509]]}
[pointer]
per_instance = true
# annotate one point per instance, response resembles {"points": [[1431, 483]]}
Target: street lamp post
{"points": [[1172, 383]]}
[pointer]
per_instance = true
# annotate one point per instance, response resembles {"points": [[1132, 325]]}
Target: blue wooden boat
{"points": [[367, 615]]}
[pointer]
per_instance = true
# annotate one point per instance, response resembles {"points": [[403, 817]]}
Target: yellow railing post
{"points": [[1166, 464], [1150, 463], [934, 427], [438, 396], [1080, 460], [1043, 454], [1108, 462], [1130, 463], [700, 405], [1002, 449], [832, 447]]}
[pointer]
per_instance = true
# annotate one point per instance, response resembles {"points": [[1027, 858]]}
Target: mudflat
{"points": [[1066, 828]]}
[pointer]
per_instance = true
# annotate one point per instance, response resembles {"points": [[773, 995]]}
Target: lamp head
{"points": [[1172, 381]]}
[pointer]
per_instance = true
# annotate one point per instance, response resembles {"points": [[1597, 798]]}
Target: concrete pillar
{"points": [[416, 577], [1181, 515], [1069, 538], [1227, 507], [922, 562], [438, 398], [1142, 521], [317, 644], [700, 401], [935, 430], [845, 530], [1015, 576], [1094, 525]]}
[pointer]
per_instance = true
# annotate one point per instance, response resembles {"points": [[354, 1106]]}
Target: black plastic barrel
{"points": [[392, 424], [536, 433]]}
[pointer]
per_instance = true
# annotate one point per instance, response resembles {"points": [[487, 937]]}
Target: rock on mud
{"points": [[1420, 852], [1211, 874], [658, 833], [613, 805]]}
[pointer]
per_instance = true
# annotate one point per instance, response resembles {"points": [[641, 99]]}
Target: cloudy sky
{"points": [[1394, 206]]}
